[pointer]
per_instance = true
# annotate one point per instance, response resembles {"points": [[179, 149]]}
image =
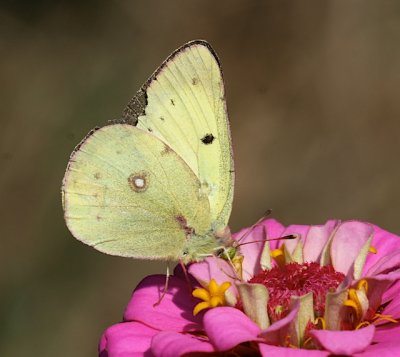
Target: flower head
{"points": [[323, 293], [213, 296]]}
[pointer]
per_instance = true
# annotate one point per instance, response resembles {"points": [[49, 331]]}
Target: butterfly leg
{"points": [[237, 268], [187, 278], [222, 269], [168, 274]]}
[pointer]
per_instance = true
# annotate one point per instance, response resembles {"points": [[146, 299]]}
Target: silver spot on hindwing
{"points": [[139, 181]]}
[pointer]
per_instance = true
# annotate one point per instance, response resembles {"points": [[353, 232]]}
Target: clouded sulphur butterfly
{"points": [[159, 183]]}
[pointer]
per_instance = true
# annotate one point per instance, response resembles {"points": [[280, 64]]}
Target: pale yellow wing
{"points": [[126, 193], [183, 104]]}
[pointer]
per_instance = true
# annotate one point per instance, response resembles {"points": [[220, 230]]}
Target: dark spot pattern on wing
{"points": [[139, 181], [166, 150], [208, 139], [183, 223]]}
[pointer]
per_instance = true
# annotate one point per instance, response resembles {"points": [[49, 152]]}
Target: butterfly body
{"points": [[158, 184]]}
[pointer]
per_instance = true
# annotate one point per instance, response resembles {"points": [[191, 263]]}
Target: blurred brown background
{"points": [[313, 95]]}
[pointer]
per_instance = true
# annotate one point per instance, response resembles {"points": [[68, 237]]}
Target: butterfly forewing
{"points": [[184, 106], [127, 193]]}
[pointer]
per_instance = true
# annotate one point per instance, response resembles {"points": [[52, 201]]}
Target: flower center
{"points": [[212, 296], [296, 279]]}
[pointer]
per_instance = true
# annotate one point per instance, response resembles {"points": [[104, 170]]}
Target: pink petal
{"points": [[269, 351], [392, 296], [227, 327], [269, 228], [316, 239], [392, 309], [344, 342], [300, 230], [388, 349], [252, 251], [279, 330], [334, 307], [127, 339], [385, 334], [377, 286], [254, 298], [349, 238], [386, 263], [385, 243], [172, 344], [392, 292], [178, 272], [173, 313], [274, 229], [103, 346], [214, 268], [184, 275]]}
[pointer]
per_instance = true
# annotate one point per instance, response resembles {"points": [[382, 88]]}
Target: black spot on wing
{"points": [[208, 139], [172, 102]]}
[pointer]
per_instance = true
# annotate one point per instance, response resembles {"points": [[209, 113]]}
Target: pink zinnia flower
{"points": [[334, 290]]}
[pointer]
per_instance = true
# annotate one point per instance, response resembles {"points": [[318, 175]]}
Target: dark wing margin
{"points": [[137, 105]]}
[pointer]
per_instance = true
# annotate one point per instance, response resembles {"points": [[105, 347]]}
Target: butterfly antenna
{"points": [[289, 236], [264, 216], [165, 286]]}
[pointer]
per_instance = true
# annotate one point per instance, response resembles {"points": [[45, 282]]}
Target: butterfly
{"points": [[158, 183]]}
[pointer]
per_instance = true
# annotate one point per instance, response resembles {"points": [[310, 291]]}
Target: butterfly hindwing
{"points": [[127, 193], [183, 104]]}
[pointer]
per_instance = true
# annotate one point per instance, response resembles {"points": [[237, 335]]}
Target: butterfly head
{"points": [[228, 246]]}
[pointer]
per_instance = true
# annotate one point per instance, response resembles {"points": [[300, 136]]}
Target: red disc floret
{"points": [[296, 279]]}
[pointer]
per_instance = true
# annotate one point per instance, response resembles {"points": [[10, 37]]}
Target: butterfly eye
{"points": [[219, 252], [227, 253], [185, 252]]}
